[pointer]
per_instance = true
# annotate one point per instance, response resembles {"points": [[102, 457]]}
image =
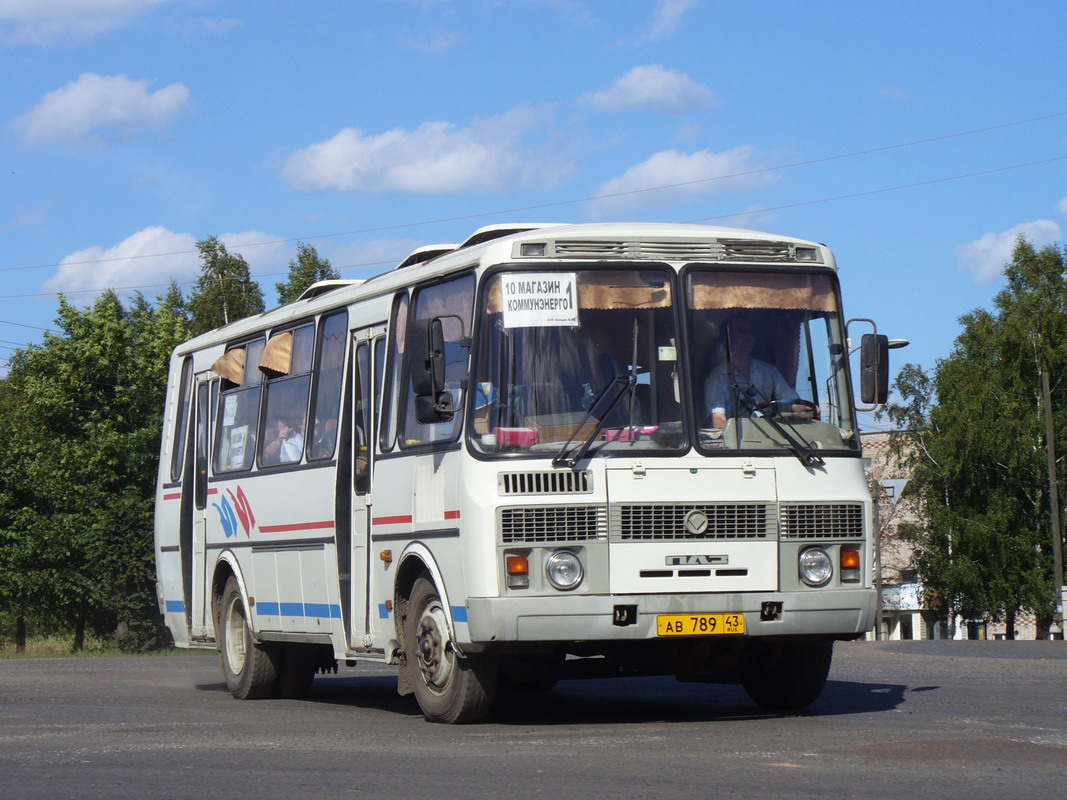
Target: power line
{"points": [[749, 212], [558, 203], [23, 325], [881, 191]]}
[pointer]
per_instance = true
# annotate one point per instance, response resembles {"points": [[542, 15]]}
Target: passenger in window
{"points": [[325, 436], [287, 444], [757, 381]]}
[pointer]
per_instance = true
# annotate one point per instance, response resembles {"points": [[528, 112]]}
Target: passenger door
{"points": [[369, 357]]}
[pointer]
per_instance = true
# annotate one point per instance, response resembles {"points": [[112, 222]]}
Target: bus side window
{"points": [[453, 302], [395, 374], [329, 369], [287, 364], [238, 418], [361, 420], [177, 447]]}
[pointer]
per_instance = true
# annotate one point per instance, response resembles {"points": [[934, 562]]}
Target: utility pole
{"points": [[1054, 500]]}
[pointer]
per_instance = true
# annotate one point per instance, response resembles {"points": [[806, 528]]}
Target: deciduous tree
{"points": [[307, 268], [974, 432]]}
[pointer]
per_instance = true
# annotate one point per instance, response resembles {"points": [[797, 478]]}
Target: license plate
{"points": [[699, 624]]}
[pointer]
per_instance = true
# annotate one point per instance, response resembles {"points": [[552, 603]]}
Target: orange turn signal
{"points": [[518, 565], [850, 559]]}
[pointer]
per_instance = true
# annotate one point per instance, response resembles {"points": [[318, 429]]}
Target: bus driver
{"points": [[749, 373]]}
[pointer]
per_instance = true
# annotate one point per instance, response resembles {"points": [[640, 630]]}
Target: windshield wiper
{"points": [[621, 383], [797, 443]]}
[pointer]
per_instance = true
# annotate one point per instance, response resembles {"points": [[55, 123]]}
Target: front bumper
{"points": [[844, 614]]}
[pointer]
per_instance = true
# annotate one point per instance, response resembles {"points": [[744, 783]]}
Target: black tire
{"points": [[296, 670], [250, 669], [788, 677], [449, 687]]}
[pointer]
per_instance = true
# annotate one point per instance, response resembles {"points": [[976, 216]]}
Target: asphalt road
{"points": [[907, 719]]}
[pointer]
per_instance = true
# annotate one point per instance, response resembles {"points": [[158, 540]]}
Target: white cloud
{"points": [[46, 21], [670, 167], [95, 108], [435, 158], [651, 87], [221, 26], [154, 256], [1062, 206], [666, 17], [432, 44], [986, 257]]}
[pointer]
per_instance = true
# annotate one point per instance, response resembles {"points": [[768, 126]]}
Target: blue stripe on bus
{"points": [[459, 613], [383, 611], [177, 606], [317, 610]]}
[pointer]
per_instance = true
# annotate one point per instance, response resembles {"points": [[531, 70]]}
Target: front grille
{"points": [[548, 482], [754, 250], [662, 522], [658, 249], [534, 524], [822, 521]]}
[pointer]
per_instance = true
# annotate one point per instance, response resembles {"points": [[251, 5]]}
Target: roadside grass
{"points": [[60, 647]]}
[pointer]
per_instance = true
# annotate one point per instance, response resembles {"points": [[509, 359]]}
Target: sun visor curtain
{"points": [[603, 291], [231, 366], [278, 356], [722, 290]]}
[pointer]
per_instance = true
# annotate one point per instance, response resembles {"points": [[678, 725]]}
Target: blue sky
{"points": [[136, 127]]}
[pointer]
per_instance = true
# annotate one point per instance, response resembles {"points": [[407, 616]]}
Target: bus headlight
{"points": [[816, 567], [564, 570]]}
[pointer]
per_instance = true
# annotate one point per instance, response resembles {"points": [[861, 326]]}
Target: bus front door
{"points": [[201, 625], [369, 353]]}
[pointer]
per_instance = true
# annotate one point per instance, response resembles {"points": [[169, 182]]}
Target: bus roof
{"points": [[609, 241]]}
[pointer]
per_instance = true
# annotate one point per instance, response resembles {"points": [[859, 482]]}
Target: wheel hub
{"points": [[434, 650]]}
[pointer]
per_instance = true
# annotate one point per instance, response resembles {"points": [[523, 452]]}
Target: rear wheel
{"points": [[250, 669], [788, 676], [449, 687]]}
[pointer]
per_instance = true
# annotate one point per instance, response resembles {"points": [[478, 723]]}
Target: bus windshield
{"points": [[768, 362], [553, 342]]}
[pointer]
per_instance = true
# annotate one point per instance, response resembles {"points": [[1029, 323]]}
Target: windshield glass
{"points": [[768, 362], [551, 343]]}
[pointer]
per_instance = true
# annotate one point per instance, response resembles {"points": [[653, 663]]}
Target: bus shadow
{"points": [[618, 701]]}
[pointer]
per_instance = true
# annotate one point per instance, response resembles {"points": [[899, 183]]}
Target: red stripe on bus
{"points": [[212, 491], [391, 520], [177, 496], [451, 515], [296, 526]]}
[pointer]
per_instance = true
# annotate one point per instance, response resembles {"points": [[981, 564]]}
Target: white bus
{"points": [[553, 451]]}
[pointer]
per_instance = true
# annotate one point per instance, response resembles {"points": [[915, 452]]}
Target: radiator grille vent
{"points": [[662, 250], [548, 482], [751, 250], [553, 524], [822, 521], [666, 522]]}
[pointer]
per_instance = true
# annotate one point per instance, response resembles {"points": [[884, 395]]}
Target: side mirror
{"points": [[874, 368], [426, 349]]}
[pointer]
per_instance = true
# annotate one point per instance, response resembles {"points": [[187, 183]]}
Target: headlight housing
{"points": [[563, 569], [816, 566]]}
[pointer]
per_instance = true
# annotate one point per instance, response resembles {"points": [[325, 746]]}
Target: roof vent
{"points": [[427, 253], [322, 287]]}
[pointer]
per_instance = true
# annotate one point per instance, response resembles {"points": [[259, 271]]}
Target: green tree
{"points": [[307, 268], [83, 412], [225, 291], [973, 430]]}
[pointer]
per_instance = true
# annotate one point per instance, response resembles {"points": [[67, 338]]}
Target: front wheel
{"points": [[448, 686], [250, 669], [788, 676]]}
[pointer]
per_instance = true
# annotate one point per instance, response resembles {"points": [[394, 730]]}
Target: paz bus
{"points": [[550, 452]]}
